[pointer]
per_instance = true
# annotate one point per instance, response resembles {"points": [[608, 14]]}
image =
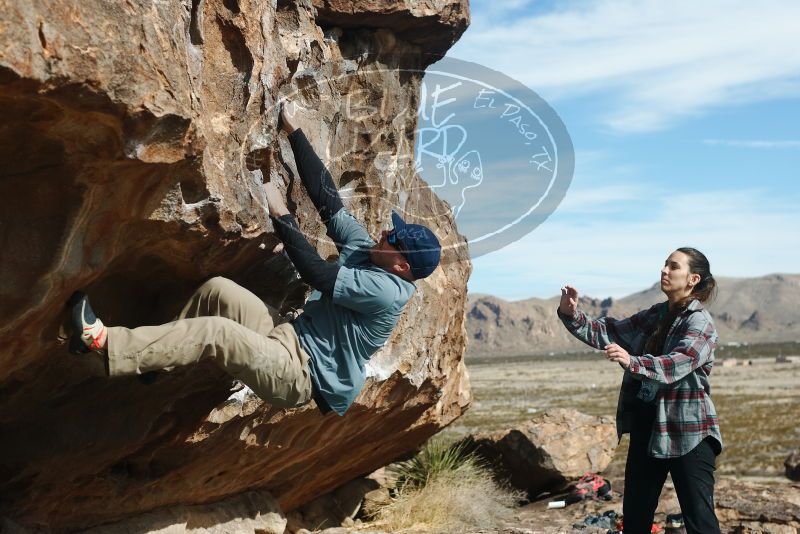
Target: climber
{"points": [[321, 353]]}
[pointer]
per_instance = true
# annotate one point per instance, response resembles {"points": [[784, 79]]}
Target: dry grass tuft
{"points": [[461, 497]]}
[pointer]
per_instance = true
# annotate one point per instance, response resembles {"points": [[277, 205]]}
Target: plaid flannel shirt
{"points": [[677, 380]]}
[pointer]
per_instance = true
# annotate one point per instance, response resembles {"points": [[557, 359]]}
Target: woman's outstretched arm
{"points": [[603, 331]]}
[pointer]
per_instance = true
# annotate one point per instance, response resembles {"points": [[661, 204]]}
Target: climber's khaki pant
{"points": [[231, 325]]}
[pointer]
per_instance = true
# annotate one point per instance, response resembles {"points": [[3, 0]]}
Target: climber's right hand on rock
{"points": [[569, 301], [287, 116], [275, 201]]}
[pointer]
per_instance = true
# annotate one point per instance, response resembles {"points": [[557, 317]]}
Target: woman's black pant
{"points": [[692, 474]]}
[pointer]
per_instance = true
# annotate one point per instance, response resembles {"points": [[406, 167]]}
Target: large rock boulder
{"points": [[127, 133], [792, 466], [549, 452], [335, 509], [774, 508], [253, 512]]}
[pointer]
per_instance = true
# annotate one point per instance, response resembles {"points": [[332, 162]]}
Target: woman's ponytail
{"points": [[706, 288]]}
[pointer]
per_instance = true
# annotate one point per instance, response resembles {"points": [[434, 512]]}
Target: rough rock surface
{"points": [[548, 453], [126, 135], [340, 506], [755, 504], [249, 513], [792, 465], [431, 24]]}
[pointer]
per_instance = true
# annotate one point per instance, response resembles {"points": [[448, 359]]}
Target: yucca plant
{"points": [[435, 458], [444, 488]]}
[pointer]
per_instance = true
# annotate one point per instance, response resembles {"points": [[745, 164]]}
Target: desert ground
{"points": [[758, 405]]}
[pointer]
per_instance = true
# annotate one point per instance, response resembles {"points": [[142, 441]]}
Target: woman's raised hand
{"points": [[569, 301]]}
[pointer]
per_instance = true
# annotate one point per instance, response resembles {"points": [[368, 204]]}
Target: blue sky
{"points": [[685, 118]]}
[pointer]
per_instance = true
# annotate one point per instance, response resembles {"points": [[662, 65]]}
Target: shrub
{"points": [[434, 458], [445, 489]]}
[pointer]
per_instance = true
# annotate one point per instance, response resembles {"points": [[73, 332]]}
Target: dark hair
{"points": [[705, 289]]}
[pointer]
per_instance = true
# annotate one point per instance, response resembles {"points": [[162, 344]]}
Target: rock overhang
{"points": [[125, 139]]}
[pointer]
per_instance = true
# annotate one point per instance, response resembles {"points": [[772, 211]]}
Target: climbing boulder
{"points": [[549, 452], [127, 139]]}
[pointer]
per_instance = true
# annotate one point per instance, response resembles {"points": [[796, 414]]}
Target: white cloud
{"points": [[599, 186], [742, 233], [602, 198], [659, 61], [752, 143]]}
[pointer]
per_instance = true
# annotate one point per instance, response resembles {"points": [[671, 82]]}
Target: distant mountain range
{"points": [[746, 310]]}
